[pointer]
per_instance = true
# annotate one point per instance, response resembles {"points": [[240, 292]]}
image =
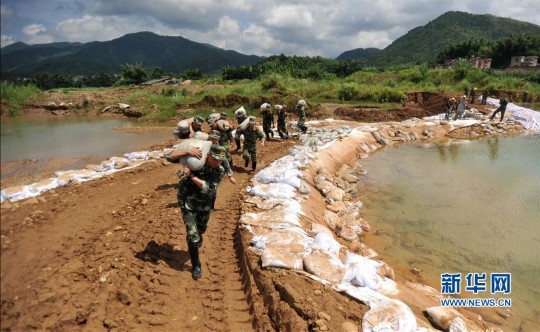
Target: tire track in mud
{"points": [[111, 254]]}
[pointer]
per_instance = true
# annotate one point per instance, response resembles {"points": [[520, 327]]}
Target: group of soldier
{"points": [[460, 105], [197, 189]]}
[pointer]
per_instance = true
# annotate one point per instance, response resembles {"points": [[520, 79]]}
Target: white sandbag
{"points": [[194, 163], [274, 218], [324, 266], [223, 125], [278, 175], [332, 220], [324, 186], [200, 135], [336, 194], [280, 256], [327, 243], [136, 155], [318, 228], [16, 193], [447, 319], [241, 111], [389, 315], [244, 124], [182, 127], [277, 190], [44, 185]]}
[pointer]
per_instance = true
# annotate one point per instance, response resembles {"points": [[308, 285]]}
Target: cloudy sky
{"points": [[260, 27]]}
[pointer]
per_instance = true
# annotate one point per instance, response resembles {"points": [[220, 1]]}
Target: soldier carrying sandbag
{"points": [[196, 189]]}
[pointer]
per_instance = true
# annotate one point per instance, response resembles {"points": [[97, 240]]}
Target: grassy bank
{"points": [[14, 96], [386, 89]]}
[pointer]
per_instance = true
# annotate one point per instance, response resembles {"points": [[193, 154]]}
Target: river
{"points": [[464, 207]]}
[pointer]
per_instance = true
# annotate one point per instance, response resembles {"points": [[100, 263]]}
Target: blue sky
{"points": [[301, 27]]}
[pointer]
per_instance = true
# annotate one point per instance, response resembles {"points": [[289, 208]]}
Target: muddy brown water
{"points": [[469, 206]]}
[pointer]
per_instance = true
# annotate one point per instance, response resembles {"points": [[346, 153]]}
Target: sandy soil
{"points": [[110, 254]]}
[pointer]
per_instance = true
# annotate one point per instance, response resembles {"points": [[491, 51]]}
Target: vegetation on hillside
{"points": [[422, 44], [500, 51]]}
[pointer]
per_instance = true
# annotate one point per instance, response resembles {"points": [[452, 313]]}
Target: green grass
{"points": [[16, 95]]}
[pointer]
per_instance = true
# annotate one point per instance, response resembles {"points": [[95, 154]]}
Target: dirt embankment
{"points": [[111, 254], [417, 104]]}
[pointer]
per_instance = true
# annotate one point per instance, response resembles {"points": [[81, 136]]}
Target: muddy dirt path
{"points": [[111, 254]]}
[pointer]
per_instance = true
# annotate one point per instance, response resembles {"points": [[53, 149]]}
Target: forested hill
{"points": [[172, 54], [422, 44], [358, 54]]}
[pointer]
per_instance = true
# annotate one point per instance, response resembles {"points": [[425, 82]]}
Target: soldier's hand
{"points": [[195, 152], [232, 179], [187, 171], [262, 143]]}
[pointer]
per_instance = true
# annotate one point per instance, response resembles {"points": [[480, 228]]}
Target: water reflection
{"points": [[493, 147], [453, 150]]}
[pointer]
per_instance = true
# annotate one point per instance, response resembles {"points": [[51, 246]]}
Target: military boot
{"points": [[246, 162], [253, 165], [195, 263]]}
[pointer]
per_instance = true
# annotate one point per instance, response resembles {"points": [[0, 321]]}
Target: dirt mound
{"points": [[417, 104]]}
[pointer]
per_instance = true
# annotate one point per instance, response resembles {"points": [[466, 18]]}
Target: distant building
{"points": [[163, 80], [524, 61], [480, 63]]}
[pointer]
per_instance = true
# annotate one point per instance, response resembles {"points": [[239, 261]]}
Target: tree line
{"points": [[500, 51], [301, 67]]}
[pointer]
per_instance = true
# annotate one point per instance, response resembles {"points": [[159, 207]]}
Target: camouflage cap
{"points": [[212, 118], [252, 120], [218, 152], [214, 134], [223, 115], [198, 119]]}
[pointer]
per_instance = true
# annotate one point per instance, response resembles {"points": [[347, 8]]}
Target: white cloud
{"points": [[37, 34], [96, 28], [34, 29], [6, 40], [228, 27], [289, 16], [262, 27]]}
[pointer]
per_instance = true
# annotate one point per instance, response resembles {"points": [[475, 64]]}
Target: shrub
{"points": [[348, 91], [16, 95]]}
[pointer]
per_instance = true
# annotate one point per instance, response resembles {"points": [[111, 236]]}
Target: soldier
{"points": [[195, 192], [485, 94], [502, 108], [281, 126], [214, 137], [182, 130], [268, 120], [251, 134], [240, 115], [226, 135], [473, 95], [197, 123], [301, 110]]}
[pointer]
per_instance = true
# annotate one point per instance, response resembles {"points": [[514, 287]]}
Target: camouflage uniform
{"points": [[281, 126], [238, 133], [195, 202], [301, 117], [268, 122], [250, 145], [225, 141]]}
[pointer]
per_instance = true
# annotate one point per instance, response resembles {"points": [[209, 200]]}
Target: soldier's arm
{"points": [[261, 136], [177, 154], [227, 168]]}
